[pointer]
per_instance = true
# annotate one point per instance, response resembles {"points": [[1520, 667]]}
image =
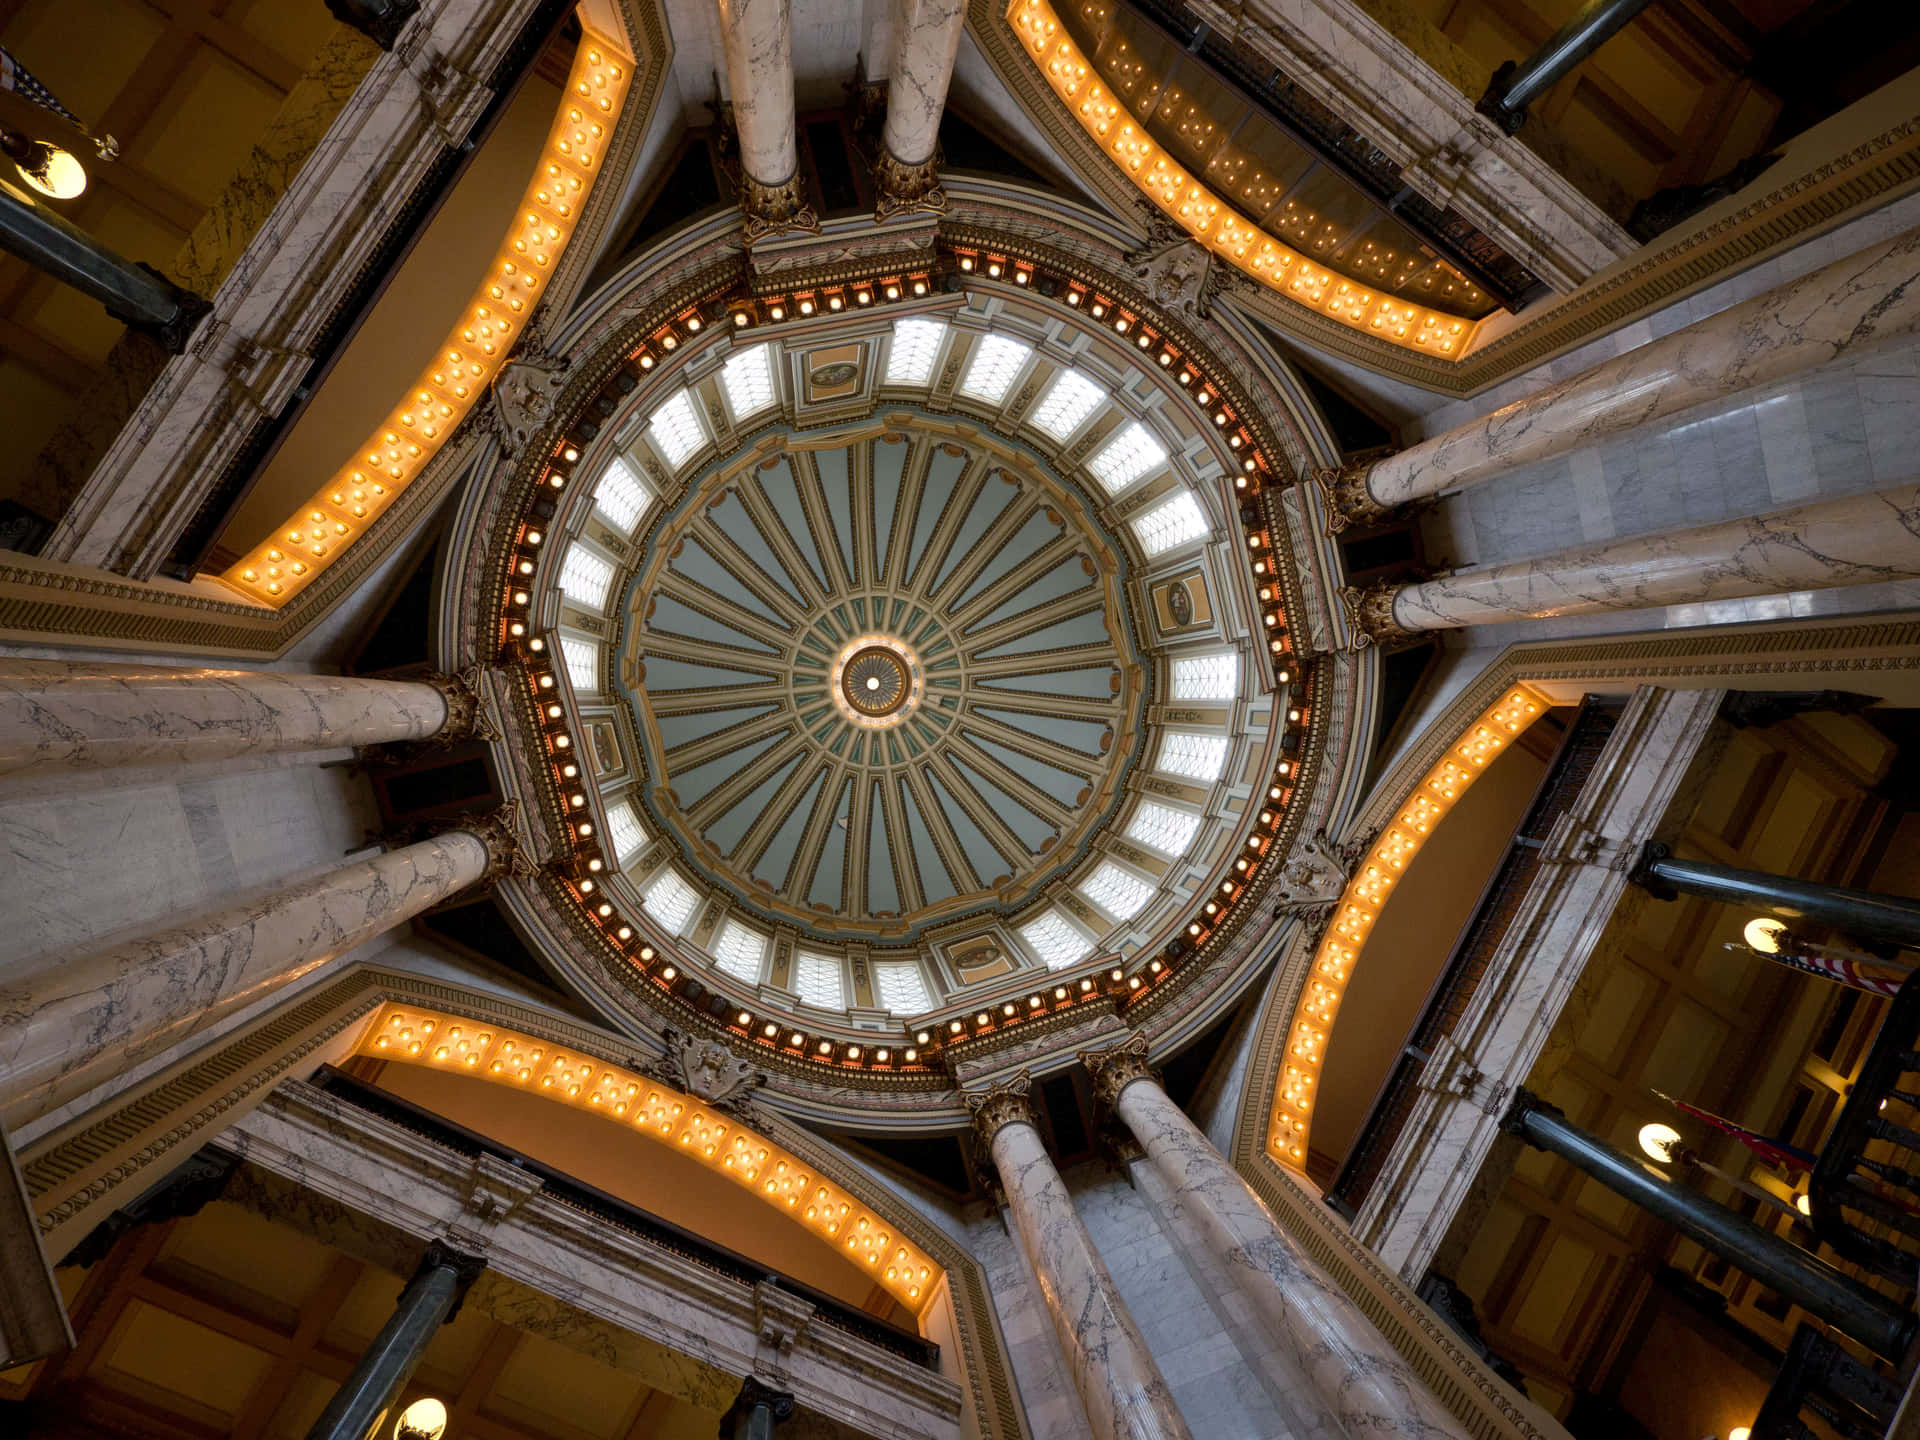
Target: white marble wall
{"points": [[81, 867], [1214, 1359], [1845, 428]]}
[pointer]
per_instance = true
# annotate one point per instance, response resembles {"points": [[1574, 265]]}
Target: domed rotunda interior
{"points": [[1131, 720]]}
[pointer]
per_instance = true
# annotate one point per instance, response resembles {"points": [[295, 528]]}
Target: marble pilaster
{"points": [[757, 36], [1430, 1171], [1357, 1376], [70, 716], [1847, 308], [1120, 1386], [1851, 540], [926, 36], [327, 206], [65, 1021]]}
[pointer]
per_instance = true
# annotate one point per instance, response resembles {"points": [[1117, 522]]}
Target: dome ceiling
{"points": [[883, 678]]}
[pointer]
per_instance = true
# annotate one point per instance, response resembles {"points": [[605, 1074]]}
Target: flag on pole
{"points": [[16, 77], [1769, 1149], [1831, 965]]}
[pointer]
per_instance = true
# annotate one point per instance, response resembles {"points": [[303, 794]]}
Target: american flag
{"points": [[1770, 1150], [16, 77]]}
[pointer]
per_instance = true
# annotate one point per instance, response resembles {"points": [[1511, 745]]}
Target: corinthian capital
{"points": [[466, 696], [1344, 490], [1117, 1067], [1370, 615], [772, 209], [1008, 1103], [905, 187]]}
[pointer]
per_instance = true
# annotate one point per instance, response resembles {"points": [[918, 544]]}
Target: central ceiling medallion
{"points": [[876, 681]]}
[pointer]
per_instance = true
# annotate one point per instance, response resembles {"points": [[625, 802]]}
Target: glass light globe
{"points": [[1740, 1432], [1803, 1204], [1659, 1140], [422, 1420], [52, 171], [1763, 934]]}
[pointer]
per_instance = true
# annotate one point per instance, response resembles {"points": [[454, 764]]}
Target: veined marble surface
{"points": [[64, 715], [61, 1019], [1358, 1378], [926, 34], [1853, 540], [757, 36], [1124, 1394], [1860, 301]]}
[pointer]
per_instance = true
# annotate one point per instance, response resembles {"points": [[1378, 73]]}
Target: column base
{"points": [[1370, 615], [907, 188], [776, 209], [1345, 492]]}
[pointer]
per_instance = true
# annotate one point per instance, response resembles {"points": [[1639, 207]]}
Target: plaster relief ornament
{"points": [[523, 399], [1313, 877], [1175, 276], [708, 1070]]}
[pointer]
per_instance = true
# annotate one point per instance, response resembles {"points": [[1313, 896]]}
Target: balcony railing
{"points": [[1822, 1390]]}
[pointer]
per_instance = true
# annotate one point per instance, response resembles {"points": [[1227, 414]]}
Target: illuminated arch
{"points": [[779, 1178]]}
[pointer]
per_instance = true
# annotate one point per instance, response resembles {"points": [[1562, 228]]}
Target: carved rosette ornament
{"points": [[1348, 502], [906, 188], [466, 697], [1008, 1103], [1117, 1067], [776, 209], [1369, 614]]}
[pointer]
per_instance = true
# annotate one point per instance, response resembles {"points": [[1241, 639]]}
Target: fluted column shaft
{"points": [[1121, 1389], [1848, 307], [63, 1022], [926, 36], [1359, 1378], [1856, 540], [67, 716], [757, 36]]}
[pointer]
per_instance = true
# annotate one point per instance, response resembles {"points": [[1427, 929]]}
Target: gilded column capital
{"points": [[1369, 614], [497, 830], [1117, 1067], [466, 696], [1008, 1103], [905, 188], [775, 209], [1348, 501]]}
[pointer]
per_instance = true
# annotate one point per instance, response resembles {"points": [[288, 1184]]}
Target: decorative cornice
{"points": [[1008, 1103], [1117, 1067]]}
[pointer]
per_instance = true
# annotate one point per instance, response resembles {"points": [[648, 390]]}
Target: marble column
{"points": [[1121, 1389], [757, 36], [926, 36], [1854, 540], [68, 1022], [64, 716], [1848, 307], [1359, 1378]]}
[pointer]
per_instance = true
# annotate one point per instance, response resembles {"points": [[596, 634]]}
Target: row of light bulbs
{"points": [[1366, 893], [1210, 219], [392, 458], [717, 1141]]}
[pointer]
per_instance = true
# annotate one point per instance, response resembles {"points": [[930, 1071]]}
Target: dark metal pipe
{"points": [[1863, 914], [1516, 86], [756, 1411], [424, 1306], [1801, 1276], [135, 294]]}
